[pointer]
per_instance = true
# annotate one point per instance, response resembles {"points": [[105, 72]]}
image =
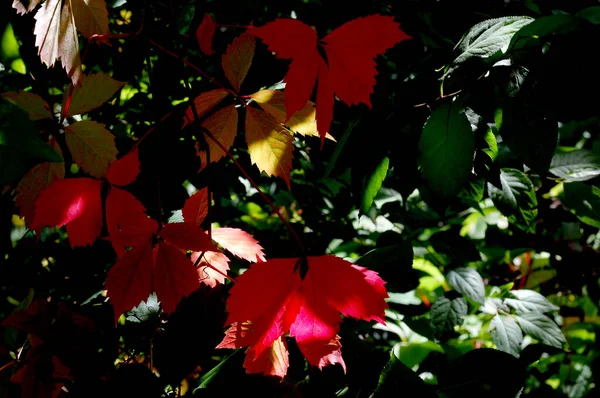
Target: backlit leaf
{"points": [[94, 91], [174, 276], [90, 16], [204, 103], [33, 104], [186, 236], [212, 268], [92, 146], [223, 126], [238, 58], [125, 170], [24, 6], [239, 243]]}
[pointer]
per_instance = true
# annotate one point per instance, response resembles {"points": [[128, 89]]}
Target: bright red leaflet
{"points": [[349, 70], [124, 170], [271, 299]]}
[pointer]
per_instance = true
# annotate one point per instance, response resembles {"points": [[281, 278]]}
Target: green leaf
{"points": [[467, 282], [373, 184], [447, 146], [397, 378], [515, 199], [529, 301], [584, 201], [209, 377], [147, 310], [446, 314], [591, 14], [577, 165], [543, 27], [542, 328], [21, 146], [486, 38], [506, 334], [186, 17]]}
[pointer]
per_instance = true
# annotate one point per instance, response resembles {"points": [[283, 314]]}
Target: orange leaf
{"points": [[92, 146], [239, 243], [237, 59], [212, 268], [33, 104], [74, 202], [56, 37], [349, 70], [195, 208], [205, 33], [223, 126], [94, 91], [125, 170], [37, 179], [129, 281], [204, 103], [90, 16], [186, 236], [174, 276], [24, 6], [269, 144], [273, 361]]}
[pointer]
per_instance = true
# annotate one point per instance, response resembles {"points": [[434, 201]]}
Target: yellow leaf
{"points": [[302, 122], [92, 146], [270, 145], [94, 91], [56, 37], [223, 126], [33, 104], [91, 16], [237, 59]]}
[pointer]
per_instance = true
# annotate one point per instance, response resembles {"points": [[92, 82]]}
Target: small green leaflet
{"points": [[373, 184], [542, 328], [515, 199], [584, 201], [446, 314], [529, 301], [467, 282], [506, 334], [579, 165]]}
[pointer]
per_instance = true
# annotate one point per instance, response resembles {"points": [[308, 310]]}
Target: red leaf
{"points": [[129, 281], [42, 376], [74, 202], [237, 59], [309, 309], [125, 170], [239, 243], [185, 236], [34, 319], [126, 220], [321, 354], [195, 208], [349, 71], [174, 276], [272, 362], [205, 33], [212, 268]]}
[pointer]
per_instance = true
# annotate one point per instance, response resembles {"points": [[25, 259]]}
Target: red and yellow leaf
{"points": [[174, 276], [91, 17], [33, 104], [239, 243], [37, 179], [24, 6], [269, 144], [56, 37], [186, 236], [129, 281], [212, 268], [273, 361], [205, 33], [223, 126], [125, 170], [75, 203], [195, 208], [237, 59], [94, 91], [92, 146], [204, 103]]}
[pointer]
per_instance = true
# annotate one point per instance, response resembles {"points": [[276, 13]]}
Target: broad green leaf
{"points": [[90, 17], [145, 311], [506, 334], [491, 148], [591, 14], [467, 282], [373, 184], [447, 145], [21, 146], [237, 59], [542, 328], [529, 301], [269, 144], [94, 91], [446, 314], [92, 146], [396, 378], [543, 27], [584, 201], [579, 165], [486, 38], [515, 198], [33, 104]]}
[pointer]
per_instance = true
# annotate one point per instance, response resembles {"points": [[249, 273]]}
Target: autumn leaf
{"points": [[186, 236], [24, 6], [349, 70], [94, 91], [203, 104], [212, 268], [75, 203], [302, 122], [91, 17], [125, 170], [42, 376], [308, 308], [205, 33], [37, 179], [273, 361], [239, 243], [223, 126], [56, 37], [195, 208], [269, 144], [92, 146], [237, 59], [33, 104]]}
